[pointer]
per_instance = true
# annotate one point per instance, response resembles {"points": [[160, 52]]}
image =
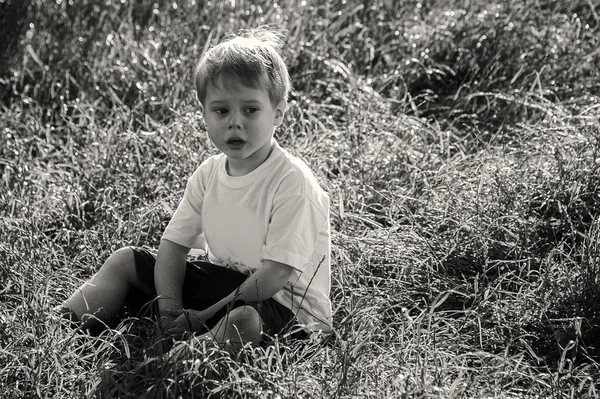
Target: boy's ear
{"points": [[202, 108], [280, 112]]}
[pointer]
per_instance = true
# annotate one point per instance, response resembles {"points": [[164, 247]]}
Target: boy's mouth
{"points": [[235, 143]]}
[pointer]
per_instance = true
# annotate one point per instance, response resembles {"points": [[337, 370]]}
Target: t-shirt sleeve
{"points": [[293, 231], [185, 227]]}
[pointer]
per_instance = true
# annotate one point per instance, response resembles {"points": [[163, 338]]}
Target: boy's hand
{"points": [[173, 324], [194, 320], [177, 322]]}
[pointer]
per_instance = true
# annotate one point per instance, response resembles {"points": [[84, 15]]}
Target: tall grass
{"points": [[459, 143]]}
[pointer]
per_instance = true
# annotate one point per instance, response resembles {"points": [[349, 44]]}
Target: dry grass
{"points": [[460, 145]]}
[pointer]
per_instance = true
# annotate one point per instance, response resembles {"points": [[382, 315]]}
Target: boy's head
{"points": [[252, 58]]}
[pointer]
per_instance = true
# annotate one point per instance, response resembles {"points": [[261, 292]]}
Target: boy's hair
{"points": [[253, 57]]}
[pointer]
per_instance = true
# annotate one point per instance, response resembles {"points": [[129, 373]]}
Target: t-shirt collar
{"points": [[252, 177]]}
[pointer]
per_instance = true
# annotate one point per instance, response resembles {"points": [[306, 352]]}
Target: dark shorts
{"points": [[204, 285]]}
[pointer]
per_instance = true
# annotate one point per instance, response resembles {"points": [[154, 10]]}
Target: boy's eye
{"points": [[220, 111], [251, 110]]}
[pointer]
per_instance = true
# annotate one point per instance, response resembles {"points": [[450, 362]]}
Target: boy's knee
{"points": [[124, 254], [122, 261], [245, 322]]}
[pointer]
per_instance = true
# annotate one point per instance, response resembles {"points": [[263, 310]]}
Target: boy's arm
{"points": [[169, 272], [262, 284]]}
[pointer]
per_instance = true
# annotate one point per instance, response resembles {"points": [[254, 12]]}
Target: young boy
{"points": [[258, 211]]}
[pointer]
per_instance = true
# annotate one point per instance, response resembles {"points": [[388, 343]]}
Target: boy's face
{"points": [[241, 121]]}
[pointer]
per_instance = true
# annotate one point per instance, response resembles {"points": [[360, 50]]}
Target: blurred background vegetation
{"points": [[458, 139]]}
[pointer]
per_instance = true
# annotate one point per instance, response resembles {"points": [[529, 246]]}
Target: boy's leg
{"points": [[255, 323], [103, 296], [240, 326]]}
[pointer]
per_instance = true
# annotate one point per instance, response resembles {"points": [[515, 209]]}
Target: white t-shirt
{"points": [[278, 212]]}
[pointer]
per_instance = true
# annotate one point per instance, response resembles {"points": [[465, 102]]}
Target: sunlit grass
{"points": [[459, 143]]}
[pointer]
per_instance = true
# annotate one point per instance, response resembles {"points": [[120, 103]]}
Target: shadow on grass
{"points": [[138, 364]]}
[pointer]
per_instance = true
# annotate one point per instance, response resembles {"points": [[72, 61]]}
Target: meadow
{"points": [[459, 141]]}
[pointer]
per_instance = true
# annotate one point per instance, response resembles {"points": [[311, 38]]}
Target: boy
{"points": [[258, 211]]}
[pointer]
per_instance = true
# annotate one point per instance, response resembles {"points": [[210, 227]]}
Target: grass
{"points": [[459, 142]]}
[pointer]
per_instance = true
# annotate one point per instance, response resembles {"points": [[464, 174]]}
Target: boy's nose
{"points": [[234, 121], [235, 125]]}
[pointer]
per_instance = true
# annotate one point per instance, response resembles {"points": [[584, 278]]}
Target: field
{"points": [[459, 141]]}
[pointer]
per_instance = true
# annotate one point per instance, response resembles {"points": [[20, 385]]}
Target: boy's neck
{"points": [[238, 169]]}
